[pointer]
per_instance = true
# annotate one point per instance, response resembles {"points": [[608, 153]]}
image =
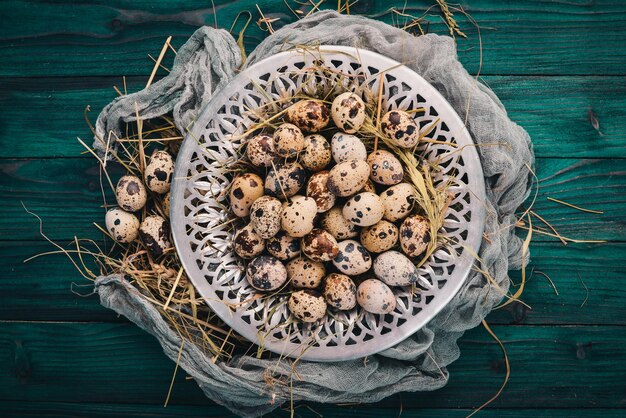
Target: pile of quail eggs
{"points": [[123, 223], [326, 220]]}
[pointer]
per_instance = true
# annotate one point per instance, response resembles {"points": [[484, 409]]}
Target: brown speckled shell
{"points": [[320, 245], [260, 150], [298, 216], [364, 209], [130, 193], [338, 226], [244, 190], [352, 259], [318, 190], [247, 243], [400, 128], [309, 115], [375, 297], [265, 216], [122, 226], [347, 178], [414, 235], [340, 291], [398, 201], [305, 274], [266, 273], [288, 140], [285, 181], [379, 237], [316, 155], [282, 246], [385, 168], [348, 112], [159, 171], [395, 269], [345, 147], [307, 305], [155, 234]]}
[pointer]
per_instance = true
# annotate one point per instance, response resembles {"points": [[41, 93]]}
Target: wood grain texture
{"points": [[113, 38], [50, 289], [554, 110], [69, 188], [577, 366]]}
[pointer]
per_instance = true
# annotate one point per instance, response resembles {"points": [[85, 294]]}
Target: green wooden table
{"points": [[559, 68]]}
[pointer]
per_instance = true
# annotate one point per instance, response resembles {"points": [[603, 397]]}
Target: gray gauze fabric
{"points": [[205, 63]]}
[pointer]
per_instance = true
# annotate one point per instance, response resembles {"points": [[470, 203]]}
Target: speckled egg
{"points": [[395, 269], [304, 273], [414, 235], [155, 234], [260, 150], [309, 115], [385, 168], [379, 237], [318, 190], [244, 190], [400, 128], [282, 246], [352, 258], [316, 155], [285, 180], [340, 291], [369, 187], [298, 216], [165, 205], [122, 226], [265, 216], [338, 226], [159, 171], [398, 201], [347, 178], [266, 273], [288, 140], [364, 209], [345, 147], [320, 245], [247, 243], [375, 297], [348, 112], [130, 193], [307, 305]]}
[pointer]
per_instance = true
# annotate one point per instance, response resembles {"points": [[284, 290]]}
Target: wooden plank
{"points": [[103, 38], [576, 366], [554, 111], [49, 288], [63, 189], [101, 410]]}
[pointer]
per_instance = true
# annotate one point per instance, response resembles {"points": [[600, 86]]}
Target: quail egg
{"points": [[247, 243], [398, 201], [352, 258], [340, 291], [348, 112], [364, 209], [244, 190], [155, 234], [309, 115], [288, 140], [317, 154], [318, 190], [266, 273], [307, 305], [375, 297], [159, 171], [282, 246], [369, 187], [414, 235], [400, 128], [345, 147], [165, 205], [265, 216], [260, 150], [347, 178], [385, 168], [304, 273], [320, 245], [285, 180], [122, 226], [395, 269], [298, 216], [130, 193], [338, 226], [379, 237]]}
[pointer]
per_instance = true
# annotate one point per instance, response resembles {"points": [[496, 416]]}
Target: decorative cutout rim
{"points": [[203, 243]]}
